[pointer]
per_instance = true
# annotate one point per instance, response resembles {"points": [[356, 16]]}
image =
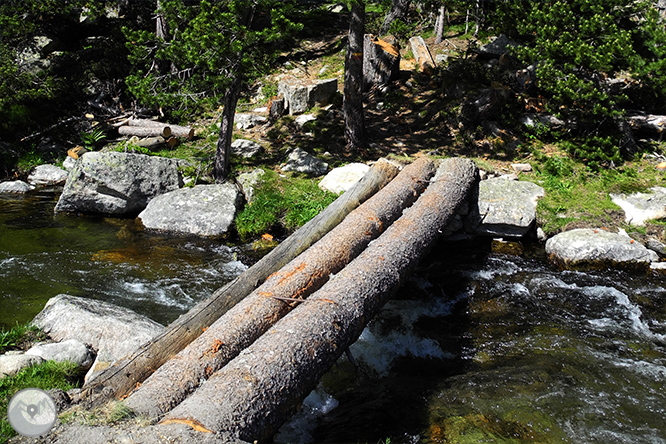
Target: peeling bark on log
{"points": [[255, 314], [381, 62], [122, 377], [648, 122], [422, 54], [176, 130], [252, 395], [145, 131]]}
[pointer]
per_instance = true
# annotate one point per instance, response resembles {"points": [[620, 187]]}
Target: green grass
{"points": [[287, 202], [48, 375], [12, 338]]}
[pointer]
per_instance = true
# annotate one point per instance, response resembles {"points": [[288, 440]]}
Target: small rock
{"points": [[12, 364], [246, 148], [71, 350], [640, 207], [500, 45], [339, 180], [302, 162], [521, 167], [303, 119], [658, 268], [16, 187], [247, 121], [656, 246], [46, 175], [248, 181]]}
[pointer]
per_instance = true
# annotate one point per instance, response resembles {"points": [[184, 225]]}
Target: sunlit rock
{"points": [[339, 180], [45, 175], [70, 350], [301, 161], [15, 186], [640, 207]]}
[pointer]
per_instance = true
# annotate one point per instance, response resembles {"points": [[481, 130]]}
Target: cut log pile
{"points": [[154, 134]]}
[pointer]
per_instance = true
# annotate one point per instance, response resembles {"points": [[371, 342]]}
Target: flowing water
{"points": [[110, 259], [476, 347]]}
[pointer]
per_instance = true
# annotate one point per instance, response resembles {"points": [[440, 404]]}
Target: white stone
{"points": [[45, 175], [71, 350], [303, 119], [16, 187], [641, 207], [14, 363], [339, 180]]}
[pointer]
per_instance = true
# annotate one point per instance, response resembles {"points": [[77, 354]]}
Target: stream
{"points": [[478, 346]]}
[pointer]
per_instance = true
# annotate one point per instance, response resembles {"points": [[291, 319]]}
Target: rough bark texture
{"points": [[145, 131], [251, 317], [221, 167], [353, 88], [650, 122], [124, 375], [252, 395], [381, 62], [439, 25], [398, 10]]}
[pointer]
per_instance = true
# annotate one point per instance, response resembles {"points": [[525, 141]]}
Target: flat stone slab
{"points": [[46, 175], [641, 207], [111, 330], [204, 210], [15, 187], [596, 248], [301, 161], [507, 208], [245, 148], [339, 180]]}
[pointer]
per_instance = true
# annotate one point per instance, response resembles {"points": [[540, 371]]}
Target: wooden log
{"points": [[422, 54], [176, 130], [145, 131], [122, 377], [381, 62], [251, 317], [648, 122], [253, 394]]}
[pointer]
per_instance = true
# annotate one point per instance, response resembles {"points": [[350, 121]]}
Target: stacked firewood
{"points": [[153, 134]]}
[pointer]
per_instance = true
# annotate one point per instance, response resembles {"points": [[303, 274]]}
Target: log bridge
{"points": [[239, 363]]}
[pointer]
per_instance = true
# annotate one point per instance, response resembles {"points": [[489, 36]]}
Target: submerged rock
{"points": [[597, 248], [204, 210], [339, 180], [506, 208], [117, 183], [111, 330]]}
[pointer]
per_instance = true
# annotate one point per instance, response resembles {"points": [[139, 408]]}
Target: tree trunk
{"points": [[398, 10], [439, 25], [176, 130], [261, 309], [221, 167], [353, 88], [381, 62], [257, 391], [648, 122], [145, 131], [123, 377], [422, 54]]}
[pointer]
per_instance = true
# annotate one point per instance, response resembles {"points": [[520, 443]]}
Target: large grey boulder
{"points": [[301, 95], [301, 161], [111, 330], [640, 207], [204, 210], [71, 350], [12, 363], [45, 175], [117, 183], [597, 248], [339, 180], [15, 187], [506, 208]]}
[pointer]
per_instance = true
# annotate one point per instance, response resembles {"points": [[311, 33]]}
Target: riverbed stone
{"points": [[339, 180], [11, 364], [597, 248], [112, 331], [116, 183], [301, 161], [640, 207], [204, 210], [46, 175], [246, 148], [249, 181], [506, 208], [71, 350], [15, 187]]}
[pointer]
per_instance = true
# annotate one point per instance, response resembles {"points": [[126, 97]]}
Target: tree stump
{"points": [[381, 62]]}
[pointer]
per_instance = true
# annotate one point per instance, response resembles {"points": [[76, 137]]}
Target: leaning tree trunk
{"points": [[221, 166], [261, 309], [124, 375], [439, 25], [252, 395], [353, 88], [398, 10]]}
